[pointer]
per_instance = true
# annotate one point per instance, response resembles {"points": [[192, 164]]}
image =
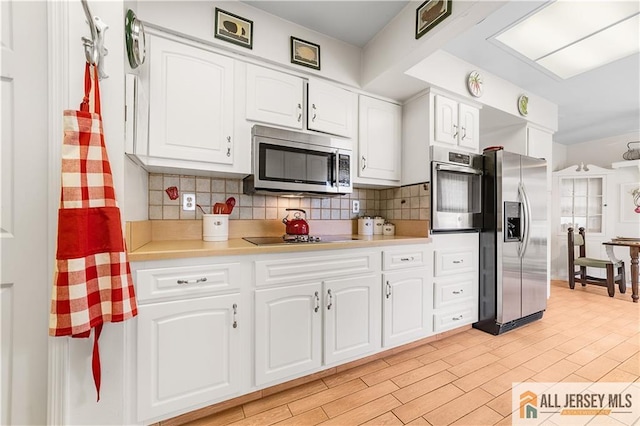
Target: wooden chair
{"points": [[585, 262]]}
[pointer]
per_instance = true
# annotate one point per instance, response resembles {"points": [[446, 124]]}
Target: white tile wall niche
{"points": [[408, 202]]}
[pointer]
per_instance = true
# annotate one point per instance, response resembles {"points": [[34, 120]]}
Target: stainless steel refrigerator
{"points": [[513, 241]]}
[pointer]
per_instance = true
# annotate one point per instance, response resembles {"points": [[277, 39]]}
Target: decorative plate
{"points": [[523, 103], [134, 38], [474, 84]]}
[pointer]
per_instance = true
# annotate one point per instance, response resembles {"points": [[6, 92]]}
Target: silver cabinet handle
{"points": [[458, 261], [330, 300], [299, 112], [455, 130], [364, 163], [235, 312], [228, 152], [388, 294], [317, 302], [199, 280], [458, 318], [407, 259], [464, 133], [313, 107], [458, 292]]}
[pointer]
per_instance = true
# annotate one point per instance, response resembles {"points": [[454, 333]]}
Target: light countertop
{"points": [[180, 249]]}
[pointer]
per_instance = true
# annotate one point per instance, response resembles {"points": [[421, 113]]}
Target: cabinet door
{"points": [[188, 353], [379, 139], [446, 120], [288, 327], [191, 103], [352, 317], [406, 306], [274, 97], [469, 123], [331, 109]]}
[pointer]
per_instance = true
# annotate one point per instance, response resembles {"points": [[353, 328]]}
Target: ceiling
{"points": [[597, 104]]}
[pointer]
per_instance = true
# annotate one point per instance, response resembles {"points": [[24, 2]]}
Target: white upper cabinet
{"points": [[274, 97], [434, 119], [191, 103], [331, 109], [456, 124], [379, 140]]}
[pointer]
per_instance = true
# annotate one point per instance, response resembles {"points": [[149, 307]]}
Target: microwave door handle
{"points": [[459, 169], [336, 169]]}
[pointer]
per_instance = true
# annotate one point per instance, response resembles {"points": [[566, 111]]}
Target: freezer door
{"points": [[534, 246], [509, 298]]}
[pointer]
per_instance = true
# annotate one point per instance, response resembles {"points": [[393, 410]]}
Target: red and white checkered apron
{"points": [[93, 282]]}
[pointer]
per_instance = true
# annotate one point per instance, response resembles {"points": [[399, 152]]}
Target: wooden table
{"points": [[634, 250]]}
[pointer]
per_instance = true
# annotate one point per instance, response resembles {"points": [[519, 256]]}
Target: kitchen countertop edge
{"points": [[181, 249]]}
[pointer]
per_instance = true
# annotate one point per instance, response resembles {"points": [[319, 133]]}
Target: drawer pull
{"points": [[235, 312], [407, 259], [458, 261], [388, 293], [458, 292], [330, 300], [317, 303], [199, 280], [458, 318]]}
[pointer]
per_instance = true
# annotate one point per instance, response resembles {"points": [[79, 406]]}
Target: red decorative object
{"points": [[172, 192]]}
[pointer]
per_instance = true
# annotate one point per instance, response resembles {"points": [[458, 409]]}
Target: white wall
{"points": [[446, 71], [601, 152], [271, 40]]}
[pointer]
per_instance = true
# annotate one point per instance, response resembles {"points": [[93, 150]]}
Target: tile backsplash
{"points": [[408, 202]]}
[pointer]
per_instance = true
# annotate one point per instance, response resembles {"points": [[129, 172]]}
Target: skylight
{"points": [[569, 38]]}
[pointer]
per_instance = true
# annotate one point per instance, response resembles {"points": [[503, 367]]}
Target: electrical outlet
{"points": [[188, 201], [355, 206]]}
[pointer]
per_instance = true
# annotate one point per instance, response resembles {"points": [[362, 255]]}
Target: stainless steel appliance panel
{"points": [[534, 247], [509, 302]]}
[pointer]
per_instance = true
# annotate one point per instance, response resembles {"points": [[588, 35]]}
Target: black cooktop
{"points": [[297, 239]]}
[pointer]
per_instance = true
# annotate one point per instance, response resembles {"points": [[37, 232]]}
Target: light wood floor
{"points": [[466, 379]]}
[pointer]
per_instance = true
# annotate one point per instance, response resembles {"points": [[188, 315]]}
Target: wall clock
{"points": [[134, 39], [474, 84]]}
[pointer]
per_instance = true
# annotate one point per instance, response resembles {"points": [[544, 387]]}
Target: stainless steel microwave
{"points": [[295, 163]]}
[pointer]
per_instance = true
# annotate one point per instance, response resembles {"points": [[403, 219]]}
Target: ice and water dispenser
{"points": [[513, 222]]}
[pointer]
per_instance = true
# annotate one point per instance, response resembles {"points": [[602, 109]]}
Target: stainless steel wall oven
{"points": [[456, 190]]}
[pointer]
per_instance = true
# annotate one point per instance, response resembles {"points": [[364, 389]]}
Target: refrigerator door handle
{"points": [[526, 219]]}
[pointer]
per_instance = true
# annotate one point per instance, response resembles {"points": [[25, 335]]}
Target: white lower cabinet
{"points": [[406, 303], [317, 310], [288, 331], [351, 317], [299, 326], [188, 353], [455, 280]]}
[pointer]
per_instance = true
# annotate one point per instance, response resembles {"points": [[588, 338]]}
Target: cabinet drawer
{"points": [[162, 283], [454, 318], [296, 269], [454, 261], [453, 290], [405, 258]]}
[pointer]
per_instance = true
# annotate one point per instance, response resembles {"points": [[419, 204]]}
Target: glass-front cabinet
{"points": [[582, 202]]}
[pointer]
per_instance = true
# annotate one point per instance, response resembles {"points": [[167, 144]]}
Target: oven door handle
{"points": [[460, 169]]}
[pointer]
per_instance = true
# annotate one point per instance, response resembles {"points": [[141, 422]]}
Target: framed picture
{"points": [[305, 53], [629, 200], [234, 29], [431, 13]]}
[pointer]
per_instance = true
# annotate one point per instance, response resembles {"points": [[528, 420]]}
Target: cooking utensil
{"points": [[297, 225], [230, 203]]}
